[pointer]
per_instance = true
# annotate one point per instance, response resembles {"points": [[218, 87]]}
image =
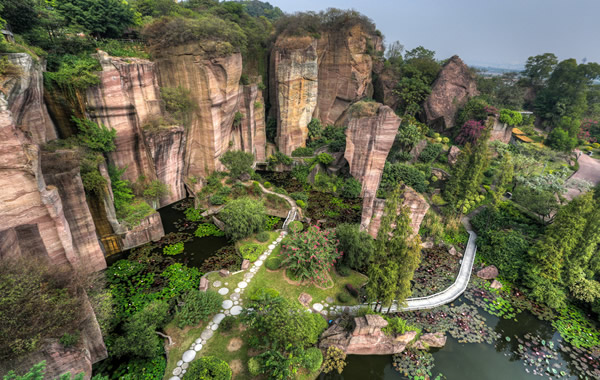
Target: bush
{"points": [[217, 200], [251, 251], [312, 359], [303, 152], [272, 221], [325, 158], [254, 366], [356, 245], [193, 214], [352, 290], [351, 188], [228, 323], [267, 185], [299, 196], [243, 217], [300, 203], [296, 226], [173, 249], [344, 297], [335, 360], [398, 326], [263, 236], [238, 163], [69, 340], [209, 367], [393, 174], [197, 307], [264, 294], [273, 263], [95, 136], [343, 271], [430, 153]]}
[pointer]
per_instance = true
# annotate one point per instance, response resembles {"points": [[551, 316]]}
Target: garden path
{"points": [[589, 170]]}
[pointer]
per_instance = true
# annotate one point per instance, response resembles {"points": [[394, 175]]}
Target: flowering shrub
{"points": [[470, 131], [311, 254], [589, 131]]}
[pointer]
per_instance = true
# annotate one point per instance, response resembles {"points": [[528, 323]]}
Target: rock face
{"points": [[250, 135], [294, 89], [149, 229], [384, 84], [369, 138], [373, 211], [453, 155], [366, 338], [345, 69], [488, 273], [431, 340], [501, 132], [23, 95], [450, 91], [214, 85], [127, 96]]}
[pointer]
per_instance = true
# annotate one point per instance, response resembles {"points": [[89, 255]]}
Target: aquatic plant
{"points": [[208, 229]]}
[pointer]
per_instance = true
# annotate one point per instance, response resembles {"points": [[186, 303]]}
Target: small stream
{"points": [[475, 361]]}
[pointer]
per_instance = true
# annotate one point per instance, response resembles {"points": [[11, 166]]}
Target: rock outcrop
{"points": [[294, 89], [214, 85], [453, 155], [488, 273], [373, 211], [128, 95], [384, 83], [250, 134], [431, 340], [345, 69], [149, 229], [366, 338], [23, 95], [450, 91], [501, 132], [370, 135]]}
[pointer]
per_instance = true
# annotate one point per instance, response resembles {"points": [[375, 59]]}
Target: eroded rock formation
{"points": [[450, 91], [384, 84], [500, 132], [370, 135], [250, 135], [294, 87]]}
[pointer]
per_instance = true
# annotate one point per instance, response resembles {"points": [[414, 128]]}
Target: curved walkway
{"points": [[444, 297], [293, 210]]}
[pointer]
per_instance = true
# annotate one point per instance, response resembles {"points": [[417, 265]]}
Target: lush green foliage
{"points": [[132, 214], [197, 307], [75, 73], [95, 137], [296, 226], [173, 249], [356, 245], [208, 229], [335, 360], [393, 174], [325, 158], [271, 221], [303, 152], [430, 153], [279, 158], [251, 251], [576, 328], [397, 325], [238, 162], [351, 188], [510, 117], [209, 367], [312, 359], [311, 254], [243, 217], [154, 190], [263, 236]]}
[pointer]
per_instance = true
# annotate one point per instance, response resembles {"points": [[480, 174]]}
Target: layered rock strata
{"points": [[23, 95], [214, 85], [128, 95], [370, 133], [451, 90], [294, 85], [250, 135]]}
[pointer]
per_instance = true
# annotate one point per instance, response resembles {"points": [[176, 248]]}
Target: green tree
{"points": [[559, 139], [209, 367], [243, 217], [155, 190], [238, 162], [95, 137], [107, 18], [538, 69], [357, 246]]}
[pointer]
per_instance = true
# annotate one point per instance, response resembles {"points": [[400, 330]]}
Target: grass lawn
{"points": [[252, 240], [236, 356], [182, 340]]}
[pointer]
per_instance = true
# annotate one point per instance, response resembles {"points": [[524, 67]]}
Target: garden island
{"points": [[220, 190]]}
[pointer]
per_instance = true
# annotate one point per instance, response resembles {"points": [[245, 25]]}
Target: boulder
{"points": [[452, 251], [245, 264], [488, 273], [305, 299], [453, 155], [496, 284], [431, 340], [451, 90], [406, 338], [203, 284], [224, 273], [427, 244]]}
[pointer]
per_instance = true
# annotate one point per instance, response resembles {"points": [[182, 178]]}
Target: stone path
{"points": [[230, 306], [444, 297], [293, 210], [589, 170]]}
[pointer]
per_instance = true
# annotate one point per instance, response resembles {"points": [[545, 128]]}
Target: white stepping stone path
{"points": [[317, 307], [231, 306]]}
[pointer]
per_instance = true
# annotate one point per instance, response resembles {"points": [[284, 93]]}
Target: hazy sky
{"points": [[481, 31]]}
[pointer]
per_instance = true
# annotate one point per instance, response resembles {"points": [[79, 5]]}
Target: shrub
{"points": [[279, 158], [228, 323], [208, 229], [351, 188], [237, 162], [251, 251], [470, 131], [271, 221], [94, 136], [398, 326], [132, 214], [357, 246], [173, 249], [243, 217], [300, 203], [445, 140], [154, 190], [296, 226], [403, 156], [273, 263], [334, 360], [299, 196], [254, 366], [430, 153], [312, 359], [325, 158], [352, 290], [343, 270], [263, 236], [264, 294], [311, 254], [267, 185], [303, 152], [217, 200], [197, 306], [393, 174], [69, 340], [209, 367], [344, 297], [510, 117]]}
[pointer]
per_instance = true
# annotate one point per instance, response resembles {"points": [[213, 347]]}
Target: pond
{"points": [[196, 250], [517, 354]]}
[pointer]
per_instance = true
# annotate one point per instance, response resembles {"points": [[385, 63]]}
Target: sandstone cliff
{"points": [[23, 95], [127, 95], [371, 130], [500, 132], [294, 86], [250, 135], [345, 67], [385, 80], [214, 84], [450, 91]]}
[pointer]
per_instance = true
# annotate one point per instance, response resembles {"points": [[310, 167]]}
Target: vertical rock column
{"points": [[294, 85], [250, 135]]}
